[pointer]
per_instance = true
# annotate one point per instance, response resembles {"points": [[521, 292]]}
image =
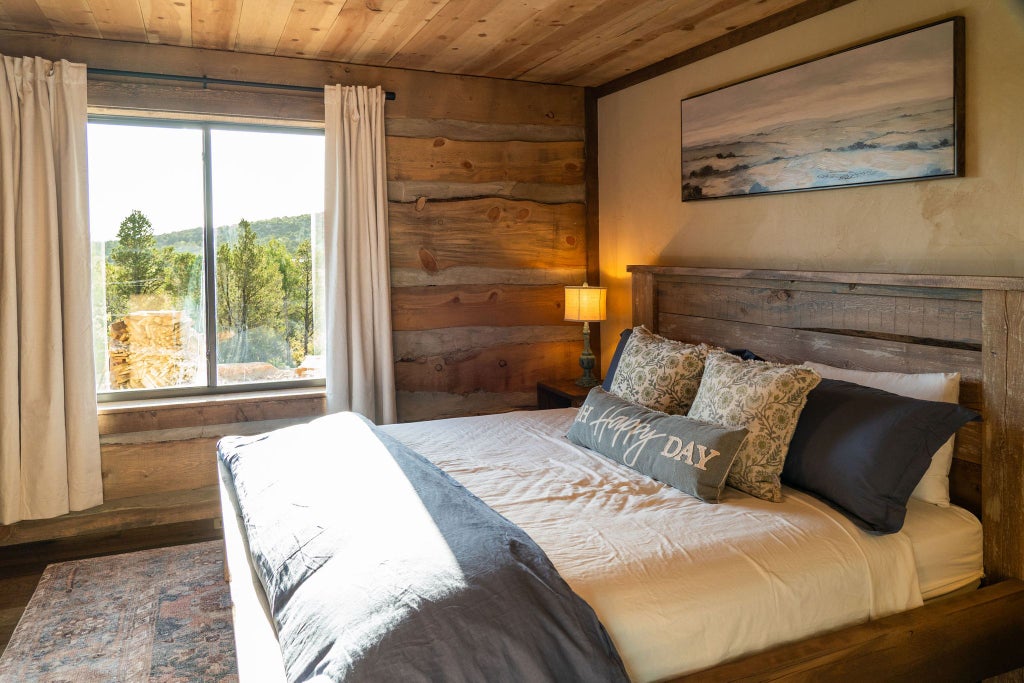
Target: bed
{"points": [[626, 569]]}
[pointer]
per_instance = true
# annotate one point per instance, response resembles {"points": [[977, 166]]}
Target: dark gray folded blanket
{"points": [[379, 566]]}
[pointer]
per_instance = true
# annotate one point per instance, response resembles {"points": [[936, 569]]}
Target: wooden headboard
{"points": [[879, 322]]}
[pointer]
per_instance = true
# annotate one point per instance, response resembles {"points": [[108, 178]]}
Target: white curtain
{"points": [[360, 359], [49, 438]]}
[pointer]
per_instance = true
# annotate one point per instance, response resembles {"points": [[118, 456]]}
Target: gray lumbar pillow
{"points": [[684, 453]]}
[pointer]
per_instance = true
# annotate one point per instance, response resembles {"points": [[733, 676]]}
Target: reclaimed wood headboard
{"points": [[879, 322]]}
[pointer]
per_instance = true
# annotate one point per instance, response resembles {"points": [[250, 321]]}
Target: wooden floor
{"points": [[22, 565]]}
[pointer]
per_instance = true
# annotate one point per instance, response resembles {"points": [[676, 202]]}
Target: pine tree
{"points": [[226, 288], [304, 264], [134, 264], [291, 284], [180, 276], [249, 298]]}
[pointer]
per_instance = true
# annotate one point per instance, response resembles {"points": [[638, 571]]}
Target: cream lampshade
{"points": [[586, 304]]}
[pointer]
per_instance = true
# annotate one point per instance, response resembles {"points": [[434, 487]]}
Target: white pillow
{"points": [[930, 386]]}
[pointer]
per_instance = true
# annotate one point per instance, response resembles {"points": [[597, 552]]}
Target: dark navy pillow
{"points": [[863, 450], [614, 365], [745, 354]]}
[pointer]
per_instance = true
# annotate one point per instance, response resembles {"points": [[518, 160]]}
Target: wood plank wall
{"points": [[487, 226], [158, 460], [487, 214], [486, 206]]}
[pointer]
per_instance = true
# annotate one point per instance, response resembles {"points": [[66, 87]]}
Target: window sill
{"points": [[139, 415], [111, 407]]}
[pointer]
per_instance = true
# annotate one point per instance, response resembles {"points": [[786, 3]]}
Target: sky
{"points": [[160, 172], [915, 66]]}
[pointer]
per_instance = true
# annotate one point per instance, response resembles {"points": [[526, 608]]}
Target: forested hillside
{"points": [[288, 230]]}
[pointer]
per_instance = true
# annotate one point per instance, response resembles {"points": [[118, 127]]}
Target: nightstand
{"points": [[561, 393]]}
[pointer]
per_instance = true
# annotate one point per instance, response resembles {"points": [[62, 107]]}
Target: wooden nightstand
{"points": [[561, 393]]}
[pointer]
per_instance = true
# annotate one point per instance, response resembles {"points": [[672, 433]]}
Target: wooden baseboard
{"points": [[963, 638], [118, 515]]}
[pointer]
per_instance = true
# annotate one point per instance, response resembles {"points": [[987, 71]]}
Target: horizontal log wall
{"points": [[486, 197], [159, 460], [487, 227], [486, 194]]}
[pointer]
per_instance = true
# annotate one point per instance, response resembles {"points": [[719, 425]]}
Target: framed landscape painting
{"points": [[887, 111]]}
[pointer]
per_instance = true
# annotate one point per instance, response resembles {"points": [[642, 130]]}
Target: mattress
{"points": [[680, 585], [947, 546]]}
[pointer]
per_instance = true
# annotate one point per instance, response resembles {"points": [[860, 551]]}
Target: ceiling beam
{"points": [[744, 34]]}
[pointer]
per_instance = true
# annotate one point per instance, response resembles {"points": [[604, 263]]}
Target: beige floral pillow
{"points": [[659, 373], [766, 398]]}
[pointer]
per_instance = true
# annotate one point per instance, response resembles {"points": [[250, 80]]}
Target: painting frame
{"points": [[819, 145]]}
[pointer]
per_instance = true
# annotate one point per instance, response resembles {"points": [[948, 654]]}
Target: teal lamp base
{"points": [[587, 361]]}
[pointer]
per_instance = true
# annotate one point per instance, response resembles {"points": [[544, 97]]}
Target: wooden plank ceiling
{"points": [[576, 42]]}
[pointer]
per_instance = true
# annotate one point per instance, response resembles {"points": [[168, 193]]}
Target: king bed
{"points": [[660, 584]]}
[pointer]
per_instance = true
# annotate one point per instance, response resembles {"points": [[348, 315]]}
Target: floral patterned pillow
{"points": [[659, 373], [766, 398]]}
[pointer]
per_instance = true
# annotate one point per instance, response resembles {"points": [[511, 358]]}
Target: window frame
{"points": [[211, 388]]}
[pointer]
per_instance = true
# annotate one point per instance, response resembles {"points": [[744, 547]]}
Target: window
{"points": [[207, 256]]}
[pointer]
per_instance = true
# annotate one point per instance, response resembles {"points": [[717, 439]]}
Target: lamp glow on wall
{"points": [[586, 305]]}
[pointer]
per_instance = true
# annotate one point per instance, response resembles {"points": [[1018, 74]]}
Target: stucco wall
{"points": [[971, 225]]}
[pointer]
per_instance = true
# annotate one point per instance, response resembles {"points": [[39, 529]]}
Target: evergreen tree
{"points": [[297, 282], [264, 287], [134, 266], [180, 276], [304, 264], [249, 299], [291, 279]]}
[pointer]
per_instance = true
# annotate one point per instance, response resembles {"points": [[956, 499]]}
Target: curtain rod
{"points": [[388, 95]]}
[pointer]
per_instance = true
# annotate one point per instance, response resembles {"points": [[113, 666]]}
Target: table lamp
{"points": [[586, 305]]}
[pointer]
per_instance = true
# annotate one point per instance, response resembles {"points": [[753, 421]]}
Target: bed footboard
{"points": [[963, 638]]}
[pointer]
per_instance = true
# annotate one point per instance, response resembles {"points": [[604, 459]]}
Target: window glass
{"points": [[146, 221], [153, 289], [268, 198]]}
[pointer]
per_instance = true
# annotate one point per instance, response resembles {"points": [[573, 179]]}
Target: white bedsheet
{"points": [[947, 546], [679, 584]]}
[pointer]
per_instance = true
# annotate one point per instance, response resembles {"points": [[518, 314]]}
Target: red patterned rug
{"points": [[159, 615]]}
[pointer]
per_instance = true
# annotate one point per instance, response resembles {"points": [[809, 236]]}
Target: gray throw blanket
{"points": [[378, 566]]}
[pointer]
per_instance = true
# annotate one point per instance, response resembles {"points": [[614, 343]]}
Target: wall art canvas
{"points": [[891, 110]]}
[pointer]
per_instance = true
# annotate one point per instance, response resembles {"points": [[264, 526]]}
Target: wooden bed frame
{"points": [[900, 323], [904, 323]]}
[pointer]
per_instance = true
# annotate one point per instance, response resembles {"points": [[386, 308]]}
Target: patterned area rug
{"points": [[159, 615]]}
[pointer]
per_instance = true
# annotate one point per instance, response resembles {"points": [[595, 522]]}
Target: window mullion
{"points": [[209, 272]]}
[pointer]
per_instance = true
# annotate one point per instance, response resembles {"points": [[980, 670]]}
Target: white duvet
{"points": [[679, 584]]}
